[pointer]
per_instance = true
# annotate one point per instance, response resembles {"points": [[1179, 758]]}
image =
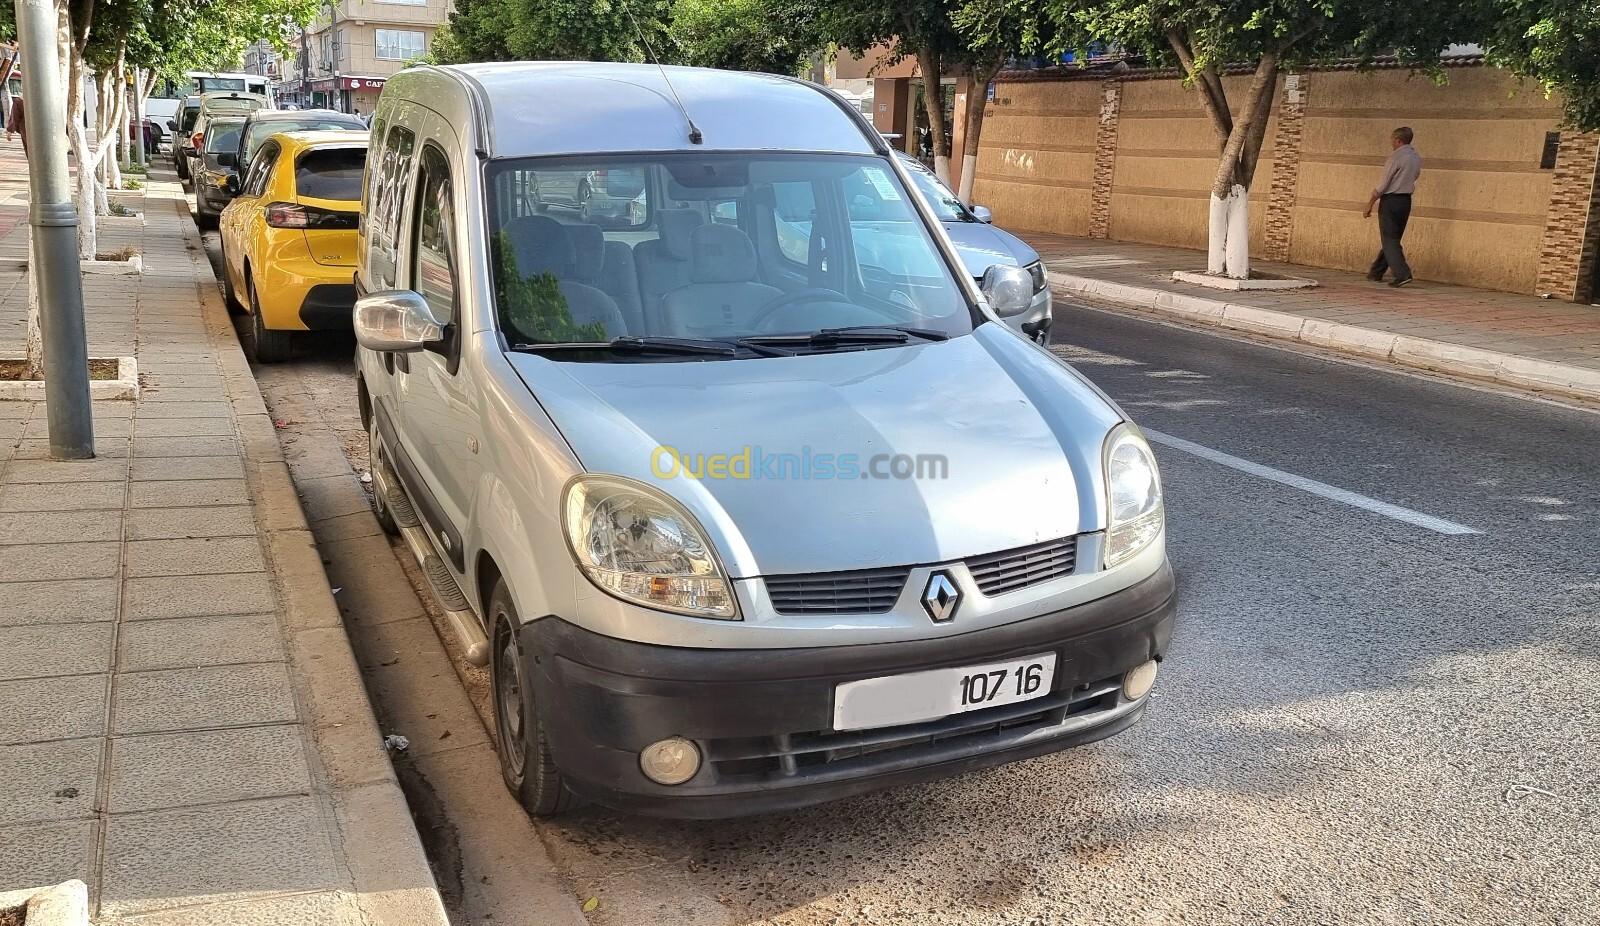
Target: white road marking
{"points": [[1304, 484]]}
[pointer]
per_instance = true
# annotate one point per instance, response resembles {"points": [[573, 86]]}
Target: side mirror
{"points": [[1008, 289], [172, 124], [231, 184], [982, 214], [227, 159], [397, 321]]}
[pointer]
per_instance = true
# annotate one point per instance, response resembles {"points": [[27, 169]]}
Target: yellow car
{"points": [[289, 236]]}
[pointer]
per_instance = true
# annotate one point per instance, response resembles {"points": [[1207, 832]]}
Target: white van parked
{"points": [[742, 490]]}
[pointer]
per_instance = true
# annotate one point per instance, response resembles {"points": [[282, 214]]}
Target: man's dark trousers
{"points": [[1394, 211]]}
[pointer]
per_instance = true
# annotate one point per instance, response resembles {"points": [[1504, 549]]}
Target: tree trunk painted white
{"points": [[941, 167], [969, 166], [1228, 251], [33, 366], [140, 155]]}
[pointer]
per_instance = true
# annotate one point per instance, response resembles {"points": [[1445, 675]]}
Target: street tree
{"points": [[564, 30], [992, 31], [1208, 38], [1556, 42], [919, 29], [774, 36]]}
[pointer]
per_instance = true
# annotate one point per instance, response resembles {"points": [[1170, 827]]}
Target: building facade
{"points": [[347, 53], [1506, 201]]}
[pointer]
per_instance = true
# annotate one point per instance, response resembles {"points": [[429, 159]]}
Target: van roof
{"points": [[537, 108]]}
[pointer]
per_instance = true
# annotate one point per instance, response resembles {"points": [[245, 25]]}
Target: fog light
{"points": [[1139, 680], [671, 761]]}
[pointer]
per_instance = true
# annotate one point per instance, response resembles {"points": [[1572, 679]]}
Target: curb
{"points": [[1369, 343], [382, 851]]}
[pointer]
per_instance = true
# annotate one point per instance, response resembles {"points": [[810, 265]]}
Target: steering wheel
{"points": [[809, 294]]}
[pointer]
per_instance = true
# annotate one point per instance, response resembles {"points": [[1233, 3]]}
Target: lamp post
{"points": [[54, 220]]}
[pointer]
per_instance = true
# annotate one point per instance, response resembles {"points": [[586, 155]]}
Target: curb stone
{"points": [[1369, 343], [382, 852]]}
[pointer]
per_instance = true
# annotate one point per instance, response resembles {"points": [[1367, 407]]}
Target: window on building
{"points": [[400, 44]]}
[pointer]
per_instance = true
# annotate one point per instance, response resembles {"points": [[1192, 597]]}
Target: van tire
{"points": [[525, 763], [269, 346]]}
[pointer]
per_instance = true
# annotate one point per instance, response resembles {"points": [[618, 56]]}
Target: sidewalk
{"points": [[1522, 341], [182, 723]]}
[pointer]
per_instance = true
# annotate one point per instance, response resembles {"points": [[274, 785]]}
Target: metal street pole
{"points": [[54, 221]]}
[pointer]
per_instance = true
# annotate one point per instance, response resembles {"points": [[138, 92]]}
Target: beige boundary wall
{"points": [[1131, 158]]}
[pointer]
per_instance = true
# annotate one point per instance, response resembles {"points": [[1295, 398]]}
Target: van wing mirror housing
{"points": [[1008, 289], [396, 321], [172, 124], [227, 159], [982, 214]]}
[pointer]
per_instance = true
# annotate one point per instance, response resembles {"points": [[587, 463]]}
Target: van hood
{"points": [[981, 246], [1020, 435]]}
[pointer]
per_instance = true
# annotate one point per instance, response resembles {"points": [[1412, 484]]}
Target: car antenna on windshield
{"points": [[695, 137]]}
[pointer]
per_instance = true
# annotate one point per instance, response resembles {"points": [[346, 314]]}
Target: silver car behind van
{"points": [[744, 493]]}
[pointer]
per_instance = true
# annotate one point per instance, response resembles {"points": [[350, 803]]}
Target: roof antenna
{"points": [[695, 137]]}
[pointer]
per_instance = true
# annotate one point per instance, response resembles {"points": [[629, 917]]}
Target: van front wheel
{"points": [[525, 761]]}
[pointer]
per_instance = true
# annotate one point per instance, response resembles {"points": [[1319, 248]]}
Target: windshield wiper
{"points": [[855, 334], [635, 345]]}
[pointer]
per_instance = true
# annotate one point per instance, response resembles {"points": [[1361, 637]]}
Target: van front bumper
{"points": [[762, 718]]}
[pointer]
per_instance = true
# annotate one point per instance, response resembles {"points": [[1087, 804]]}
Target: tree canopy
{"points": [[560, 30], [1556, 42], [775, 36]]}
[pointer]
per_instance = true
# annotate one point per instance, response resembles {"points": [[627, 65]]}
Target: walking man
{"points": [[1392, 196]]}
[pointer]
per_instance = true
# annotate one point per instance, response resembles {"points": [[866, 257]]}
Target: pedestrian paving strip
{"points": [[1305, 484]]}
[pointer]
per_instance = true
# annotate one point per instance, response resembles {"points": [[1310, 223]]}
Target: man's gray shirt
{"points": [[1400, 172]]}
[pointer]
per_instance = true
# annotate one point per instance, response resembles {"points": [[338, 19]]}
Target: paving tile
{"points": [[180, 493], [147, 469], [96, 470], [324, 908], [211, 767], [32, 562], [47, 853], [62, 602], [192, 557], [36, 650], [63, 527], [183, 427], [59, 497], [152, 411], [188, 642], [104, 447], [191, 856], [203, 698], [176, 523], [331, 496], [39, 709], [49, 781], [199, 596], [166, 447], [39, 427], [208, 391]]}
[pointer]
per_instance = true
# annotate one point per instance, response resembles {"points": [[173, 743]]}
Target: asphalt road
{"points": [[1362, 719]]}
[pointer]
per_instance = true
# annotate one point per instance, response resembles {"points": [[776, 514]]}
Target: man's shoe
{"points": [[1399, 283]]}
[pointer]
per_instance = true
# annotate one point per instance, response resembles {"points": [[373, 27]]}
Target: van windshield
{"points": [[714, 248]]}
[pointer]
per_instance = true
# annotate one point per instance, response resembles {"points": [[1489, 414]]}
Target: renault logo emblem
{"points": [[941, 597]]}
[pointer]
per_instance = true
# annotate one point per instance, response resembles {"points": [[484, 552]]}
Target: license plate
{"points": [[917, 696]]}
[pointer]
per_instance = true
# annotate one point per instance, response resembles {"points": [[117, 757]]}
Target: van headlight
{"points": [[1135, 514], [641, 546]]}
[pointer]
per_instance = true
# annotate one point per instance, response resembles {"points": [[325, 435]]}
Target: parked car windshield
{"points": [[712, 247], [944, 203]]}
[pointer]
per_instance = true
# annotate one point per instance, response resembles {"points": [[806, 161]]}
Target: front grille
{"points": [[784, 756], [1010, 570], [863, 591]]}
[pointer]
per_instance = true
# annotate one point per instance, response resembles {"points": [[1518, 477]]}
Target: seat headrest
{"points": [[590, 243], [676, 227], [542, 245], [721, 254]]}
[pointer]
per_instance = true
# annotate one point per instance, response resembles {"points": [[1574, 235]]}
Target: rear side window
{"points": [[334, 173], [255, 182]]}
